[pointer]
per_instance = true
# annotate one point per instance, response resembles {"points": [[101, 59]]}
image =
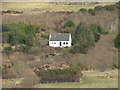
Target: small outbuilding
{"points": [[60, 40]]}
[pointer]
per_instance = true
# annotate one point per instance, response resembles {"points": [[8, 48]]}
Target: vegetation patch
{"points": [[70, 74], [69, 23], [52, 54], [85, 36], [83, 10], [117, 41], [111, 7], [91, 11], [82, 39], [7, 49], [45, 36], [20, 34]]}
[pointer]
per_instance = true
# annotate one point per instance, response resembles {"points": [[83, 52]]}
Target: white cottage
{"points": [[60, 40]]}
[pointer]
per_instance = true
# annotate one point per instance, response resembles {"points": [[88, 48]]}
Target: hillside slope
{"points": [[54, 21], [104, 55]]}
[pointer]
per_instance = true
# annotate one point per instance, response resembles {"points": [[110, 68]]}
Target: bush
{"points": [[67, 30], [83, 39], [5, 37], [45, 36], [69, 23], [24, 48], [91, 11], [105, 32], [60, 75], [83, 10], [20, 33], [100, 29], [7, 49], [96, 30], [80, 48], [53, 54], [117, 41], [5, 28], [83, 34], [97, 37], [37, 30], [98, 8], [110, 7]]}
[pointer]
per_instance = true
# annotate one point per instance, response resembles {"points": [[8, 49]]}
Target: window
{"points": [[66, 42], [54, 42]]}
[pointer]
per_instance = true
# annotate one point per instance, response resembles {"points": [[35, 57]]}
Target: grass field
{"points": [[38, 7], [89, 80]]}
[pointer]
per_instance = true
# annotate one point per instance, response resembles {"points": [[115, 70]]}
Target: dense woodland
{"points": [[25, 43]]}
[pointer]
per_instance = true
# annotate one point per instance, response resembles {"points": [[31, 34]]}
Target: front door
{"points": [[60, 43]]}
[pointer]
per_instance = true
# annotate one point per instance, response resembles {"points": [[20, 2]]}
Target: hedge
{"points": [[60, 75]]}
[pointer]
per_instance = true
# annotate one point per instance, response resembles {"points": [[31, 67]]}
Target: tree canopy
{"points": [[20, 33]]}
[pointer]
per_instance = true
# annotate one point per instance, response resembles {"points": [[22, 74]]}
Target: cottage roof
{"points": [[59, 37]]}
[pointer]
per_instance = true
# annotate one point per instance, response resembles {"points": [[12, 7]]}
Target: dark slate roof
{"points": [[59, 37]]}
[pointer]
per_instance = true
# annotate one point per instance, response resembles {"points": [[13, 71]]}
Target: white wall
{"points": [[65, 45], [54, 43], [57, 43]]}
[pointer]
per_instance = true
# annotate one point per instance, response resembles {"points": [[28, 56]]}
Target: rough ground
{"points": [[103, 53], [89, 80]]}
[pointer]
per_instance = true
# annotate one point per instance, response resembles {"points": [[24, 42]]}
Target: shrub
{"points": [[83, 39], [97, 37], [7, 49], [105, 32], [69, 23], [20, 33], [67, 30], [53, 54], [5, 37], [5, 28], [83, 34], [83, 10], [91, 11], [98, 8], [74, 49], [45, 36], [117, 41], [100, 29], [60, 75], [96, 30], [24, 48], [37, 30], [80, 48], [110, 7]]}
